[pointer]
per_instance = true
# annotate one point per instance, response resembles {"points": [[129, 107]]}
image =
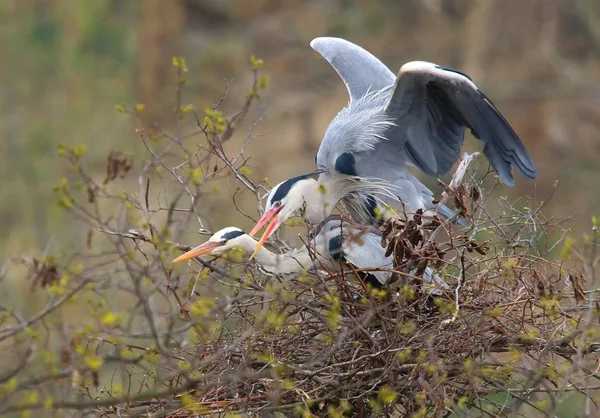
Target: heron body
{"points": [[329, 249], [338, 243], [417, 118]]}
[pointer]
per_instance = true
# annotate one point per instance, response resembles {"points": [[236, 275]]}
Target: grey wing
{"points": [[432, 106], [388, 162], [359, 126], [442, 209], [360, 70], [366, 252]]}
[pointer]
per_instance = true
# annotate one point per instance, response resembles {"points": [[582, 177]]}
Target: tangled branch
{"points": [[214, 337]]}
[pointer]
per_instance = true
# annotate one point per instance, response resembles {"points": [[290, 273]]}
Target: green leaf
{"points": [[257, 63]]}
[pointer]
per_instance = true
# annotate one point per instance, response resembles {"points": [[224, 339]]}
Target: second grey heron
{"points": [[390, 123]]}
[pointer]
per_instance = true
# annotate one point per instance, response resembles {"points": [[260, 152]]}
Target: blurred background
{"points": [[64, 65]]}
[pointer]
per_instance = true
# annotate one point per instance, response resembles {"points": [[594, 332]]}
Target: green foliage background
{"points": [[65, 65]]}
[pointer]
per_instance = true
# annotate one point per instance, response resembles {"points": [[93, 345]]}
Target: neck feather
{"points": [[294, 261], [322, 196]]}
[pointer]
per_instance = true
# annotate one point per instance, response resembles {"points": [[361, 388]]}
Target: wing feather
{"points": [[361, 71], [418, 118], [432, 106]]}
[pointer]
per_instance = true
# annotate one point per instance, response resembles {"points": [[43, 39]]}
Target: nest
{"points": [[327, 345], [507, 331]]}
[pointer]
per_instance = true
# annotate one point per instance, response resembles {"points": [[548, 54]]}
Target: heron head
{"points": [[287, 199], [222, 241]]}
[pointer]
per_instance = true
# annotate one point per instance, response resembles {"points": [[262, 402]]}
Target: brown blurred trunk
{"points": [[251, 9], [160, 29], [477, 30]]}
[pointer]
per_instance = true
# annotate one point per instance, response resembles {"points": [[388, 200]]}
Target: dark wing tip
{"points": [[509, 181], [508, 144], [499, 161], [531, 171], [452, 70]]}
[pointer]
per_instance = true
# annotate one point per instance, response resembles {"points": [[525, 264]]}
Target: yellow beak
{"points": [[268, 232], [205, 248], [269, 215]]}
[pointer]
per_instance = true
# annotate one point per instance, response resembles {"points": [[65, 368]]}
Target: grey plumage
{"points": [[359, 70], [432, 106], [351, 244], [390, 123], [418, 118], [363, 249]]}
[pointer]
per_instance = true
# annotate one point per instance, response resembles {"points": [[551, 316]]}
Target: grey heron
{"points": [[416, 119], [336, 244]]}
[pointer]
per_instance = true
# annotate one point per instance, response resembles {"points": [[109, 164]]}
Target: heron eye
{"points": [[277, 204], [224, 241]]}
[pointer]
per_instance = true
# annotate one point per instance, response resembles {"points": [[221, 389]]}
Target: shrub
{"points": [[118, 330]]}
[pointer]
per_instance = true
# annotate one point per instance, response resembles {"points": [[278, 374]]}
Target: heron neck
{"points": [[294, 261], [321, 197]]}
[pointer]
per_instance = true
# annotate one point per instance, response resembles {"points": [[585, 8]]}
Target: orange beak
{"points": [[264, 219], [271, 215], [205, 248]]}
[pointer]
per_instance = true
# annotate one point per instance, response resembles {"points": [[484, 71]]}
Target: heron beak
{"points": [[271, 213], [268, 232], [205, 248]]}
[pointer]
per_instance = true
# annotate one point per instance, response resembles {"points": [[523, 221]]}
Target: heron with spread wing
{"points": [[416, 119]]}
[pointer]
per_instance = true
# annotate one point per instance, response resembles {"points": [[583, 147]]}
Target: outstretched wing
{"points": [[360, 70], [433, 105], [359, 126]]}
